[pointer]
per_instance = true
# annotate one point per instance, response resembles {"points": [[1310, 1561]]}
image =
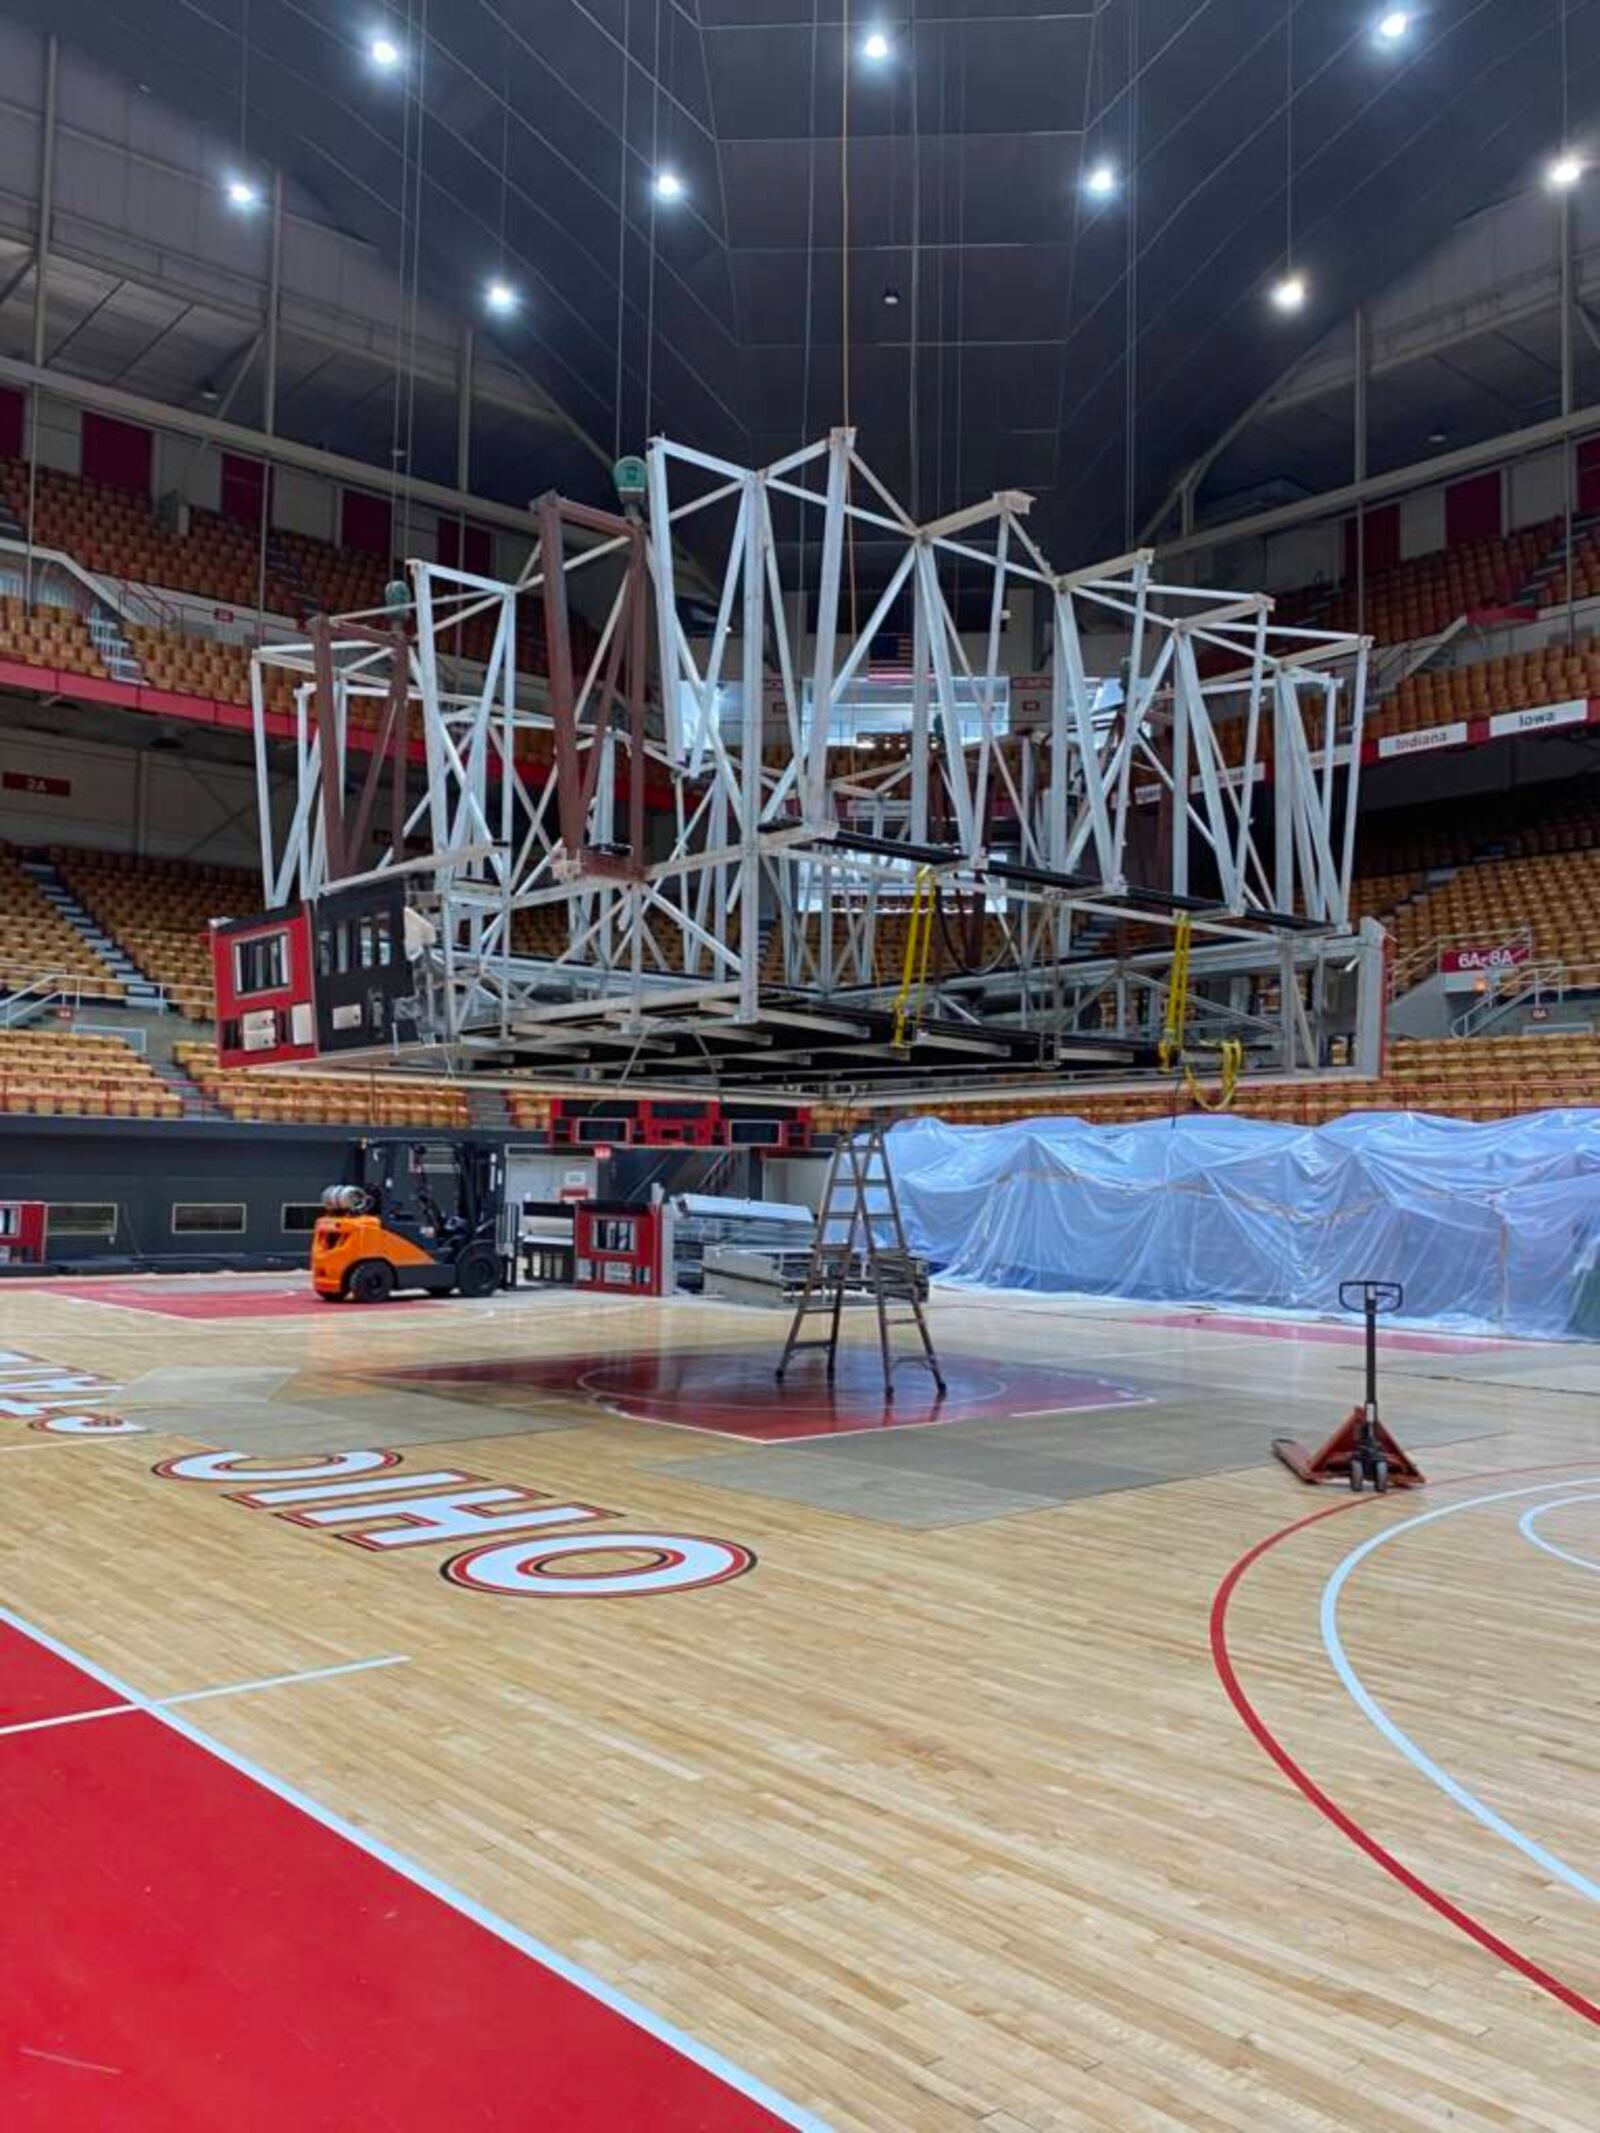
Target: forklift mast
{"points": [[452, 1190]]}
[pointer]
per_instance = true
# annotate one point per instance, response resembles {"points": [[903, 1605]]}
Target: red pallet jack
{"points": [[1361, 1449]]}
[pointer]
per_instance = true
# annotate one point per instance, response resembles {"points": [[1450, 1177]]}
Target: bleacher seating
{"points": [[36, 942], [325, 1099], [47, 636], [951, 950], [191, 665], [1444, 695], [335, 581], [159, 912], [1469, 1078], [1424, 595], [1554, 894], [116, 534], [1585, 571], [64, 1074], [529, 1109]]}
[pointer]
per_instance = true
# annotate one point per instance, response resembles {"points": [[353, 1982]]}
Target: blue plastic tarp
{"points": [[1492, 1228]]}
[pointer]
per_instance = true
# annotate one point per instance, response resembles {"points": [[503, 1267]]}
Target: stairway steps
{"points": [[138, 990]]}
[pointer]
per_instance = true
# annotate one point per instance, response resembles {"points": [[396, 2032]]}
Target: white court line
{"points": [[228, 1688], [1377, 1716], [653, 2025]]}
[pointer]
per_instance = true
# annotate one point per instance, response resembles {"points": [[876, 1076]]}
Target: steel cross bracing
{"points": [[680, 878]]}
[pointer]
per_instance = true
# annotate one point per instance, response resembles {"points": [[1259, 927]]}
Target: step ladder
{"points": [[870, 1258]]}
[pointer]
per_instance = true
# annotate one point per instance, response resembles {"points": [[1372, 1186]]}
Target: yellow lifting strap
{"points": [[914, 965], [1174, 1023], [1176, 1016], [1232, 1067]]}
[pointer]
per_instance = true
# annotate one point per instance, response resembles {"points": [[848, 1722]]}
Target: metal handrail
{"points": [[1524, 982], [26, 990]]}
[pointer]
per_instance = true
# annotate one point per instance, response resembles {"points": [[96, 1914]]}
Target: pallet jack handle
{"points": [[1371, 1297], [1361, 1449]]}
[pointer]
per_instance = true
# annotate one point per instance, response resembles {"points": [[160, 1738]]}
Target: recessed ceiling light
{"points": [[875, 47], [1564, 172], [1437, 436], [500, 297], [383, 51], [1100, 181], [242, 194], [1392, 25], [891, 297], [1289, 294], [669, 186]]}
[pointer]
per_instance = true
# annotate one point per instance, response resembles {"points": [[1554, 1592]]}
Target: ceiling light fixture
{"points": [[891, 297], [1289, 294], [1564, 172], [242, 194], [500, 297], [669, 186], [875, 47], [1392, 25], [383, 52], [1100, 182]]}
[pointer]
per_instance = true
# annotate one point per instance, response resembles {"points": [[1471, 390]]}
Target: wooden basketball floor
{"points": [[536, 1722]]}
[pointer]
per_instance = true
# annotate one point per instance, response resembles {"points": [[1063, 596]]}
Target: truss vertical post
{"points": [[813, 804], [919, 715]]}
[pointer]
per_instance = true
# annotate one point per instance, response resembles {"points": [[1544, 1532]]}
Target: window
{"points": [[217, 1218], [82, 1218], [300, 1216], [261, 964]]}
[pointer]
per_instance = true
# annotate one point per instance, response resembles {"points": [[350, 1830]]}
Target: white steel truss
{"points": [[705, 888]]}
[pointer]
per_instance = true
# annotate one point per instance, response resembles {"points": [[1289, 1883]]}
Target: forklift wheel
{"points": [[477, 1273], [372, 1282]]}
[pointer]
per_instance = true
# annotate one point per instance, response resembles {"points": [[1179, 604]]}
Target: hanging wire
{"points": [[912, 366], [811, 262], [244, 76], [844, 295], [650, 281], [410, 118], [1569, 448], [1130, 416], [1093, 78], [414, 295], [622, 218], [1288, 137]]}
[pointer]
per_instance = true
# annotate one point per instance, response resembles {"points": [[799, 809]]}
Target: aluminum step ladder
{"points": [[871, 1258]]}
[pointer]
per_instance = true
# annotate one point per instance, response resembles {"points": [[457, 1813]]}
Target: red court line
{"points": [[184, 1948], [1318, 1331], [298, 1302], [1345, 1823]]}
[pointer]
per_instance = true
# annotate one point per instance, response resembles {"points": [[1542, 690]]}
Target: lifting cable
{"points": [[1174, 1022]]}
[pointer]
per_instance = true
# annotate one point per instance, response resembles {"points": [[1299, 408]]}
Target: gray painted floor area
{"points": [[256, 1411], [966, 1472], [916, 1477]]}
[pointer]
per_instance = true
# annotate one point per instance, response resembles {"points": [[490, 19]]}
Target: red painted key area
{"points": [[185, 1949]]}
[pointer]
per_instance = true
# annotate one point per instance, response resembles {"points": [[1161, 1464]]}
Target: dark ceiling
{"points": [[1006, 362]]}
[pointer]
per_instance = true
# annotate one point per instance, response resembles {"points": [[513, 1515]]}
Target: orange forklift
{"points": [[412, 1214]]}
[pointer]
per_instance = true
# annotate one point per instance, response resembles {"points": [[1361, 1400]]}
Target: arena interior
{"points": [[799, 1066]]}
